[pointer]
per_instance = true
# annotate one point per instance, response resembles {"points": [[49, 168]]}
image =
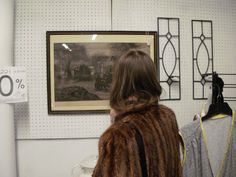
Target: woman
{"points": [[143, 140]]}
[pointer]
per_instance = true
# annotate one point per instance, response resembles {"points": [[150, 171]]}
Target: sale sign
{"points": [[13, 88]]}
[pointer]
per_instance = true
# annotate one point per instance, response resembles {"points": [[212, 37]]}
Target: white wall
{"points": [[7, 132], [52, 158], [55, 158]]}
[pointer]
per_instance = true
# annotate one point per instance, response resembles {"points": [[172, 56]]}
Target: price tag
{"points": [[13, 88]]}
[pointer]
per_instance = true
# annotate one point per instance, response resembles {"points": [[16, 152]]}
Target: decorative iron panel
{"points": [[169, 57], [202, 57]]}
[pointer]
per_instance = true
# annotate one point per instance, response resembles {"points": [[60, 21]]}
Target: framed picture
{"points": [[79, 66]]}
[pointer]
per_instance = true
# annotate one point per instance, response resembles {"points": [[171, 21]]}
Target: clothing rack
{"points": [[227, 85]]}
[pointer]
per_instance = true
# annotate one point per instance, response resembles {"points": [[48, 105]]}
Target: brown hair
{"points": [[134, 75]]}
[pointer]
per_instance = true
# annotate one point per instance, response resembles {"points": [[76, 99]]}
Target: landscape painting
{"points": [[80, 72]]}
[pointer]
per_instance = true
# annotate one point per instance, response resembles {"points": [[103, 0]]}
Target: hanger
{"points": [[218, 105]]}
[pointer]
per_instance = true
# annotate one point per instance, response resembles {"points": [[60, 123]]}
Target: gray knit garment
{"points": [[197, 162]]}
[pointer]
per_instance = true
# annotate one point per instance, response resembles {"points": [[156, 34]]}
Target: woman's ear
{"points": [[113, 114], [132, 98]]}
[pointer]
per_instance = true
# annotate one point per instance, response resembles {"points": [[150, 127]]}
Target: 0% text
{"points": [[8, 84]]}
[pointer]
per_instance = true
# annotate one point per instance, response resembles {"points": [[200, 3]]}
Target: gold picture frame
{"points": [[79, 66]]}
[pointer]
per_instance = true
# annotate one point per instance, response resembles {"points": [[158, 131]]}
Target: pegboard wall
{"points": [[33, 18]]}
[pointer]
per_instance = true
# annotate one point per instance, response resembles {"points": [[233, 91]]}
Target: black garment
{"points": [[141, 150]]}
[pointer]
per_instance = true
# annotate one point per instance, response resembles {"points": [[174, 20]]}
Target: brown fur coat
{"points": [[118, 150]]}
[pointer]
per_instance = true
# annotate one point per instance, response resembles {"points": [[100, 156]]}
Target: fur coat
{"points": [[118, 149]]}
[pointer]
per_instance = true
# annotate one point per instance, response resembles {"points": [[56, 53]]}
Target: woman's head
{"points": [[134, 81]]}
